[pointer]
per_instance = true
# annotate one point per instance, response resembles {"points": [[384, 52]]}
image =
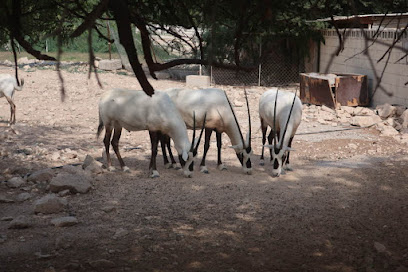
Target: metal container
{"points": [[333, 90]]}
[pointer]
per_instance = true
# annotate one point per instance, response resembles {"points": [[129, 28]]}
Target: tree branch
{"points": [[167, 65], [90, 18], [122, 17]]}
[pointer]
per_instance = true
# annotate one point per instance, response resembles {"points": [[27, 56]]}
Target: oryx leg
{"points": [[154, 140], [115, 144], [270, 139], [221, 166], [264, 129], [163, 144], [12, 110], [106, 141], [207, 136], [173, 161], [287, 165]]}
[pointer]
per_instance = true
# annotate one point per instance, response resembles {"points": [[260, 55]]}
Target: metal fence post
{"points": [[211, 76], [260, 65]]}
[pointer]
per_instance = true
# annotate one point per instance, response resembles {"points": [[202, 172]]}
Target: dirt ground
{"points": [[343, 208]]}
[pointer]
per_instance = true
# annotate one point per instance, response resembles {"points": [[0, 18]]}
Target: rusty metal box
{"points": [[332, 90]]}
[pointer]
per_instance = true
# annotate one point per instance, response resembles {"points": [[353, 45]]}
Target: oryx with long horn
{"points": [[134, 111], [220, 118], [282, 111]]}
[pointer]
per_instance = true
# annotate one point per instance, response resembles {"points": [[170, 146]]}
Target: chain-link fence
{"points": [[276, 66], [271, 62]]}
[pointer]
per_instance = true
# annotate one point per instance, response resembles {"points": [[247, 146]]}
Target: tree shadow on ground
{"points": [[320, 217]]}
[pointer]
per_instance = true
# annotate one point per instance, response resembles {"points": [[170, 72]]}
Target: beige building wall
{"points": [[395, 75]]}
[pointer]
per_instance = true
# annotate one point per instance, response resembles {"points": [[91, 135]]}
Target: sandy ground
{"points": [[343, 208]]}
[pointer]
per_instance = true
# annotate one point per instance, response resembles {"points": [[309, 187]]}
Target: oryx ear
{"points": [[184, 156], [269, 146]]}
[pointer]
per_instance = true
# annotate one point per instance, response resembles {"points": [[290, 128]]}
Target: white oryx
{"points": [[220, 118], [282, 111], [134, 111], [8, 84]]}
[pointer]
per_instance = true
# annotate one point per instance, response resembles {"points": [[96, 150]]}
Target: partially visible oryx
{"points": [[134, 111], [282, 111], [8, 84], [220, 118]]}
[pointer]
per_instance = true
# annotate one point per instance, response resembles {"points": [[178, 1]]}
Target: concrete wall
{"points": [[395, 75]]}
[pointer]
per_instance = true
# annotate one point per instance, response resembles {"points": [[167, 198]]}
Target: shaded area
{"points": [[321, 221]]}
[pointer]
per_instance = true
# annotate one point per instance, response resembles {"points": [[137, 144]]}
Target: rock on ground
{"points": [[109, 65], [102, 263], [73, 183], [50, 204], [64, 221], [385, 110], [20, 222], [44, 175], [365, 121], [15, 182], [23, 197], [404, 119]]}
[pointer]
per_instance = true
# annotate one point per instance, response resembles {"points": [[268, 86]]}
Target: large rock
{"points": [[91, 165], [41, 176], [365, 121], [362, 111], [399, 110], [110, 65], [25, 60], [404, 119], [348, 109], [386, 110], [50, 204], [387, 130], [73, 183]]}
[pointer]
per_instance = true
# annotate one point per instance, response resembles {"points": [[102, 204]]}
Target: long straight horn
{"points": [[236, 121], [274, 120], [290, 114], [201, 133], [194, 132], [249, 118]]}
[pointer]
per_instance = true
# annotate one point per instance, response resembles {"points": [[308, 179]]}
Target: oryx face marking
{"points": [[246, 160], [188, 165], [278, 158]]}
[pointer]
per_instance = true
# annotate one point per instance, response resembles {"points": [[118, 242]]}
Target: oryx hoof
{"points": [[188, 174], [168, 165], [288, 167], [154, 174], [126, 169], [262, 162], [176, 166], [222, 167], [203, 169], [111, 169]]}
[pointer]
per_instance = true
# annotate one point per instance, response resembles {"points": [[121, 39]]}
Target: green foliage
{"points": [[228, 27]]}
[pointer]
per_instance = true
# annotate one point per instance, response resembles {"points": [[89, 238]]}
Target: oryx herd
{"points": [[168, 114]]}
